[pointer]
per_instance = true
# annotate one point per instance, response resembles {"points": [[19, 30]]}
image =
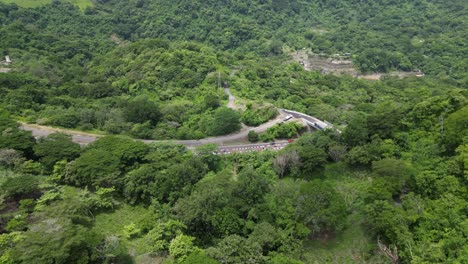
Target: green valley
{"points": [[265, 131]]}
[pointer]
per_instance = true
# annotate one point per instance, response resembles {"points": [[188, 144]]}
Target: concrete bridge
{"points": [[310, 120]]}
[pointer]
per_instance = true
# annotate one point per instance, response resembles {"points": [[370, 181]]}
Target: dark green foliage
{"points": [[56, 147], [320, 207], [356, 133], [384, 120], [225, 121], [199, 258], [165, 184], [195, 209], [282, 131], [211, 101], [312, 158], [250, 188], [373, 60], [95, 167], [21, 187], [129, 152], [253, 136], [208, 155], [141, 110], [12, 137], [56, 240], [456, 128]]}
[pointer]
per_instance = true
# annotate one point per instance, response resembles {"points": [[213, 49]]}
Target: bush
{"points": [[253, 136], [255, 117], [225, 121], [24, 186]]}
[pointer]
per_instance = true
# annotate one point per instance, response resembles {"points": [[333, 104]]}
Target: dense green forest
{"points": [[390, 186]]}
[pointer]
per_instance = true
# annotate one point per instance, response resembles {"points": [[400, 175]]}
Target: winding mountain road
{"points": [[86, 138], [240, 136]]}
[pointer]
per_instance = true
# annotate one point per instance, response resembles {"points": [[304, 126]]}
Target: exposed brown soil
{"points": [[340, 66]]}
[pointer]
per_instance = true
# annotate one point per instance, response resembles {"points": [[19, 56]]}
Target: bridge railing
{"points": [[319, 124]]}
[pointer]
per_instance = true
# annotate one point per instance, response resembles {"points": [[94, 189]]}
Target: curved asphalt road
{"points": [[86, 138]]}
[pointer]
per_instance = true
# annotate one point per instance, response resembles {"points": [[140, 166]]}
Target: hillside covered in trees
{"points": [[388, 185]]}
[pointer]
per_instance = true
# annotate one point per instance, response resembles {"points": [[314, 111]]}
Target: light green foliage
{"points": [[27, 205], [150, 69], [386, 219], [282, 131], [266, 236], [282, 259], [17, 223], [235, 249], [199, 257], [60, 231], [160, 237], [104, 199], [7, 242], [131, 231], [113, 223], [182, 246], [257, 116], [391, 168], [46, 198], [55, 240]]}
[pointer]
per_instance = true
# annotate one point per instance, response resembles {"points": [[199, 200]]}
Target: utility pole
{"points": [[219, 80]]}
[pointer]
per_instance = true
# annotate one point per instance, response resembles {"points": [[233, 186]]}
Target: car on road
{"points": [[287, 118]]}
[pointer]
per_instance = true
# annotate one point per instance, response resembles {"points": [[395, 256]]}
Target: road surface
{"points": [[231, 103], [240, 136], [224, 150], [224, 142], [86, 138]]}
